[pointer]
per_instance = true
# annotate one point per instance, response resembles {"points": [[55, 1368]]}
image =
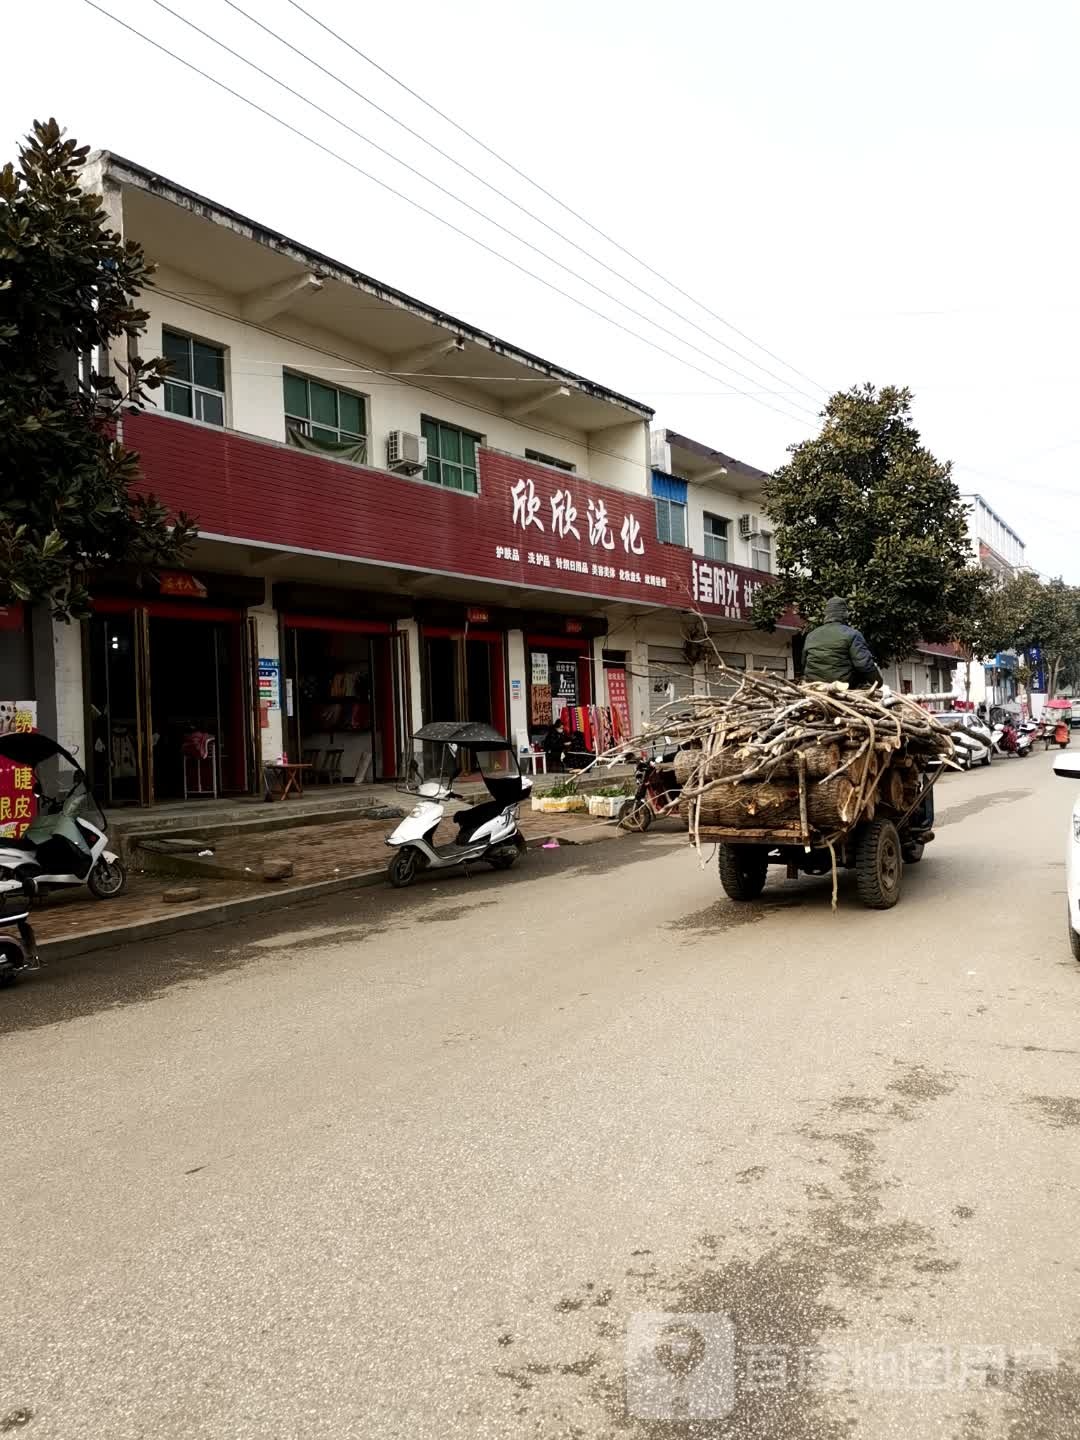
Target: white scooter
{"points": [[61, 846], [18, 952], [1013, 739], [487, 832]]}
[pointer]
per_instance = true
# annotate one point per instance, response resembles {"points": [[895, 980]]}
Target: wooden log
{"points": [[829, 805]]}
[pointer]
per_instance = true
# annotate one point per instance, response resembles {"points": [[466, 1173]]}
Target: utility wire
{"points": [[561, 203], [532, 215], [551, 259]]}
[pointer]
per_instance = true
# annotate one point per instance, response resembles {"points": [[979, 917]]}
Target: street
{"points": [[417, 1164]]}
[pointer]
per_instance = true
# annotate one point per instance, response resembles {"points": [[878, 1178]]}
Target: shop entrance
{"points": [[465, 676], [169, 703], [345, 677]]}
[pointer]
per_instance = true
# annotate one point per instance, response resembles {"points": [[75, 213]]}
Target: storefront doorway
{"points": [[464, 676], [168, 680], [343, 683]]}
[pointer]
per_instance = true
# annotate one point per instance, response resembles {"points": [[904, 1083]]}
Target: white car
{"points": [[968, 750], [1067, 765]]}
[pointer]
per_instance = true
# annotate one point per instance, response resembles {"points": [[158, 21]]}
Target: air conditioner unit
{"points": [[406, 454], [748, 527]]}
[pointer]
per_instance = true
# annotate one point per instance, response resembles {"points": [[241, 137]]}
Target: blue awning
{"points": [[668, 487]]}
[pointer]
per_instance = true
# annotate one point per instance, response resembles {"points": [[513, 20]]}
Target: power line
{"points": [[561, 203], [389, 154], [480, 179]]}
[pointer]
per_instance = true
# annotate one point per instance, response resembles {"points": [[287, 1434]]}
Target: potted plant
{"points": [[562, 797], [606, 802]]}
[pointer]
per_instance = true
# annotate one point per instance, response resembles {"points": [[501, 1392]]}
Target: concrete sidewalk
{"points": [[333, 857]]}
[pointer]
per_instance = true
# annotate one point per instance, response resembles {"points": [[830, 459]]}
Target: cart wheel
{"points": [[743, 871], [879, 865], [403, 868], [635, 815], [106, 880]]}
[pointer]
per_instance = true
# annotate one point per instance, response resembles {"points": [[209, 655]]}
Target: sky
{"points": [[865, 191]]}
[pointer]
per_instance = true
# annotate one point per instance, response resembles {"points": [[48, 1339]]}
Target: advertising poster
{"points": [[618, 699], [565, 687], [17, 804], [540, 667]]}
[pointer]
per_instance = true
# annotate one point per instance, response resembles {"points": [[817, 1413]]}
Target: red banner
{"points": [[618, 700], [17, 804]]}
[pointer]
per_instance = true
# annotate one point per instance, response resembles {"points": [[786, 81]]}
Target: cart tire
{"points": [[743, 871], [879, 865], [106, 880], [635, 815], [404, 867]]}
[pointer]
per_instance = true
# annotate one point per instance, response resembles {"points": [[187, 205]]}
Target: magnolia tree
{"points": [[865, 511], [69, 492]]}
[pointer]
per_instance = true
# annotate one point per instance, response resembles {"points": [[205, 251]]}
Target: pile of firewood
{"points": [[810, 758]]}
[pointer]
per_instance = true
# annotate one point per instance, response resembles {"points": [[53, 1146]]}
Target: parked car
{"points": [[1067, 765], [968, 750]]}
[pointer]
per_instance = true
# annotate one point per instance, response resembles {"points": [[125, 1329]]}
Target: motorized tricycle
{"points": [[1058, 722], [487, 832]]}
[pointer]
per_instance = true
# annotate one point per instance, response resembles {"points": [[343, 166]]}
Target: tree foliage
{"points": [[69, 500], [1034, 613], [865, 511]]}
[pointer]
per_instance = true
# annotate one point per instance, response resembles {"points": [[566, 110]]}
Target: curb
{"points": [[227, 911]]}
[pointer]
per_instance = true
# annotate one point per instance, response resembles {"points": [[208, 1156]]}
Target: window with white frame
{"points": [[670, 521], [761, 551], [716, 537], [323, 413], [195, 385]]}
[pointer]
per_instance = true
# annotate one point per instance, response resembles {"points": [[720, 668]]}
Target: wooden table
{"points": [[286, 779]]}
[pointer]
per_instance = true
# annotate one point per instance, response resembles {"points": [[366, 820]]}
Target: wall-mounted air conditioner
{"points": [[406, 454], [748, 527]]}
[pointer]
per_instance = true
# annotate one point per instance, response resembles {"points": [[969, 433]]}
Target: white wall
{"points": [[717, 501], [256, 356]]}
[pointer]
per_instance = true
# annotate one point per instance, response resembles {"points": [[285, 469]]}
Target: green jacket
{"points": [[835, 651]]}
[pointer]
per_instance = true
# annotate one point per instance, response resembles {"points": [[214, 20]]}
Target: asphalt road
{"points": [[427, 1165]]}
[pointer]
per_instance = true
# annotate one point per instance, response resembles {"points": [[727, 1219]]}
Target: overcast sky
{"points": [[871, 191]]}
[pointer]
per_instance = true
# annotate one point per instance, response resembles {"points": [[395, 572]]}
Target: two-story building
{"points": [[400, 517]]}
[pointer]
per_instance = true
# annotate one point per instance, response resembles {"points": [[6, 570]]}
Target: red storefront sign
{"points": [[17, 803], [476, 616], [12, 616], [529, 526], [180, 582], [722, 589]]}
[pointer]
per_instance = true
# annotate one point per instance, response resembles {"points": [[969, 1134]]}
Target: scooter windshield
{"points": [[501, 774]]}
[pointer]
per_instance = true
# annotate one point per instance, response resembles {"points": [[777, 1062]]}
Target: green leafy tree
{"points": [[69, 496], [865, 511]]}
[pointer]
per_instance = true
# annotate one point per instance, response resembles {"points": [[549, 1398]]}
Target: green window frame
{"points": [[323, 412], [195, 384], [451, 455]]}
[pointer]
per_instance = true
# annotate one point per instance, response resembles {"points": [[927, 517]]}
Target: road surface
{"points": [[429, 1165]]}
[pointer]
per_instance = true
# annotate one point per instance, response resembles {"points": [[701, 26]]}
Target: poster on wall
{"points": [[17, 803], [540, 674], [540, 713], [270, 683], [619, 700], [565, 687]]}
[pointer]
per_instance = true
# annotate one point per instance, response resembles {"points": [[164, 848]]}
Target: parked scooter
{"points": [[1010, 740], [18, 952], [62, 846], [487, 832], [656, 792]]}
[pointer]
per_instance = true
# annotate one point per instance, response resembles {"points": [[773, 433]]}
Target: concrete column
{"points": [[411, 630], [599, 645], [268, 641], [519, 704]]}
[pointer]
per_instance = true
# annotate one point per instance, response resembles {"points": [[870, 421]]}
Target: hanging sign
{"points": [[181, 582]]}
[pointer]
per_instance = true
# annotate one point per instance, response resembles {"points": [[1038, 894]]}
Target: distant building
{"points": [[997, 547]]}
